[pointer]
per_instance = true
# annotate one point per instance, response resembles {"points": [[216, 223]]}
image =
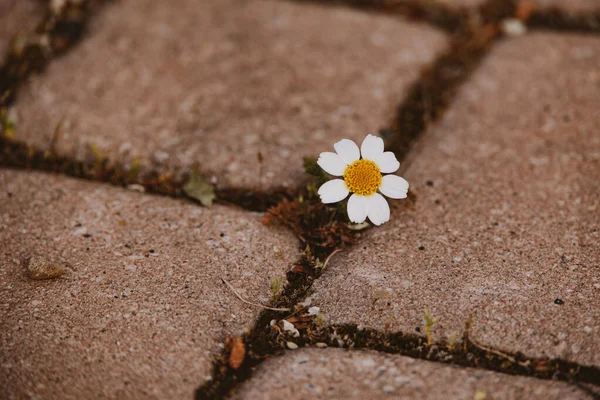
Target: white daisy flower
{"points": [[362, 177]]}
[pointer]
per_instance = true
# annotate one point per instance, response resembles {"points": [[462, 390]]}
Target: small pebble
{"points": [[136, 188], [513, 27], [321, 345], [292, 345], [41, 268], [558, 301], [289, 327], [313, 310]]}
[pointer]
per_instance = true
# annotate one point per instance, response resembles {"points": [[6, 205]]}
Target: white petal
{"points": [[387, 162], [357, 208], [333, 191], [331, 163], [394, 186], [347, 150], [371, 148], [379, 210]]}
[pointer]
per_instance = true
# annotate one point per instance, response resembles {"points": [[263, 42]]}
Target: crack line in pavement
{"points": [[59, 31], [18, 155]]}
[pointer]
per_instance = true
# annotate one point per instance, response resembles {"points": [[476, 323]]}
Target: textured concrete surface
{"points": [[142, 309], [507, 216], [17, 17], [214, 83], [341, 374]]}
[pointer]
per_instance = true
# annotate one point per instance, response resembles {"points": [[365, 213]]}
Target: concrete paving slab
{"points": [[506, 225], [141, 309], [214, 83], [341, 374], [17, 17]]}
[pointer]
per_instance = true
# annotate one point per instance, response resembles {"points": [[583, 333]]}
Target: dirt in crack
{"points": [[429, 97], [60, 30], [19, 155]]}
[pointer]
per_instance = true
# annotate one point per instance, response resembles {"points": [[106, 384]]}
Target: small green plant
{"points": [[97, 153], [134, 170], [7, 127], [430, 321], [320, 319], [319, 264], [276, 284], [452, 341]]}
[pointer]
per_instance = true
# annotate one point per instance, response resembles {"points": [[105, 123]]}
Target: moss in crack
{"points": [[272, 341], [470, 354], [429, 97], [19, 155], [265, 339]]}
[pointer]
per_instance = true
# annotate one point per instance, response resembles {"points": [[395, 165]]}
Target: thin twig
{"points": [[249, 302], [500, 354], [329, 258]]}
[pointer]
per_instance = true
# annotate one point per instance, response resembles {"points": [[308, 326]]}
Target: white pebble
{"points": [[513, 27]]}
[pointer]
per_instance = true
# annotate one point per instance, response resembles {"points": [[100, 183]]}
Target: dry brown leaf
{"points": [[238, 352], [524, 10]]}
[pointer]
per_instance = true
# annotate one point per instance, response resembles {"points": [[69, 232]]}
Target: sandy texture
{"points": [[142, 309], [214, 83], [341, 374], [507, 218], [17, 17]]}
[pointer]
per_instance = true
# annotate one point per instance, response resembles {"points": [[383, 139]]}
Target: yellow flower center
{"points": [[362, 177]]}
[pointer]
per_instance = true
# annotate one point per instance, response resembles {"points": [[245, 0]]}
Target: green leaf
{"points": [[197, 188]]}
